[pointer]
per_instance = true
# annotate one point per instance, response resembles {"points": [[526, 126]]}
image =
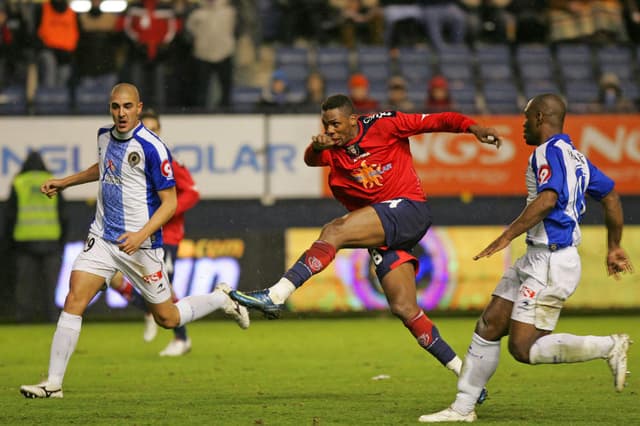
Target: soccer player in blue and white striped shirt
{"points": [[136, 196], [527, 301]]}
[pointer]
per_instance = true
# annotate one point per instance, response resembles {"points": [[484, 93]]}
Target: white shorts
{"points": [[145, 268], [538, 284]]}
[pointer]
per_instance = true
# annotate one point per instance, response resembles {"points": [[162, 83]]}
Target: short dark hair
{"points": [[150, 113], [338, 101]]}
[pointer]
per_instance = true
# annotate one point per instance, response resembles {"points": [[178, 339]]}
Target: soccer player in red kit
{"points": [[372, 175]]}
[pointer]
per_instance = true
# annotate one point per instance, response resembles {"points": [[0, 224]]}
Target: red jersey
{"points": [[377, 165], [188, 196]]}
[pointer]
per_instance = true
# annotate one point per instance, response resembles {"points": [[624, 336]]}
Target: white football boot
{"points": [[448, 415], [177, 347], [150, 328], [232, 308], [40, 391], [617, 360]]}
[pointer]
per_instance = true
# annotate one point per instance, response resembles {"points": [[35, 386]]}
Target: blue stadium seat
{"points": [[296, 73], [613, 54], [581, 91], [415, 65], [533, 54], [377, 72], [576, 71], [534, 71], [501, 97], [573, 53], [623, 71], [335, 72], [92, 100], [333, 87], [493, 53], [332, 55], [13, 100], [52, 100], [291, 56], [460, 71], [456, 54], [533, 88], [495, 71], [245, 98], [372, 55], [417, 95], [92, 93]]}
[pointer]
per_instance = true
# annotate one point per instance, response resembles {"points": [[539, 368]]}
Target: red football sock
{"points": [[421, 327], [125, 289], [315, 259]]}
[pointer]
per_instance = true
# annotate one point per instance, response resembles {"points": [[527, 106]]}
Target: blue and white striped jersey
{"points": [[557, 165], [132, 171]]}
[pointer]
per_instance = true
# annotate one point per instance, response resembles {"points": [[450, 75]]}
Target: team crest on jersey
{"points": [[166, 169], [544, 174], [353, 150], [133, 159]]}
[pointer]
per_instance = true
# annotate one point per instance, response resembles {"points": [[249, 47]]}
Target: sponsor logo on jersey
{"points": [[370, 175], [527, 292], [133, 159], [153, 277], [166, 169], [544, 174], [110, 173]]}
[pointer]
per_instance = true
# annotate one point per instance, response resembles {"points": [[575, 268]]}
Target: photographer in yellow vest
{"points": [[35, 227]]}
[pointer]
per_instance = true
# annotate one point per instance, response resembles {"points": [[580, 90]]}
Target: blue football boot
{"points": [[258, 300], [483, 396]]}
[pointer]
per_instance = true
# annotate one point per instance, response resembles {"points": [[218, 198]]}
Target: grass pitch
{"points": [[300, 372]]}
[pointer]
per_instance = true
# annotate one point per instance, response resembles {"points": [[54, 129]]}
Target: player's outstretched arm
{"points": [[617, 259], [52, 186], [535, 211], [487, 135]]}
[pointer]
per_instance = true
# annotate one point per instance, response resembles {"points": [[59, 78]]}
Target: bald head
{"points": [[126, 89], [125, 106], [544, 117], [552, 108]]}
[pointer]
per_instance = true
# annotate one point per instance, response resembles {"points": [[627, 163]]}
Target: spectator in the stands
{"points": [[16, 46], [586, 20], [611, 98], [150, 27], [398, 17], [632, 19], [99, 46], [360, 22], [275, 94], [398, 96], [58, 32], [359, 93], [531, 20], [315, 92], [438, 95], [446, 23], [212, 27]]}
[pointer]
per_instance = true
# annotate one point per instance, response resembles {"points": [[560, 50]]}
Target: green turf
{"points": [[299, 372]]}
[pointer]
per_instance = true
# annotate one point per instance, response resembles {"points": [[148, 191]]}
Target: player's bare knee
{"points": [[403, 310], [490, 328], [332, 231], [166, 322], [519, 351]]}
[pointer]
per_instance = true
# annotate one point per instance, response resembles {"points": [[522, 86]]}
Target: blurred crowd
{"points": [[191, 56]]}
